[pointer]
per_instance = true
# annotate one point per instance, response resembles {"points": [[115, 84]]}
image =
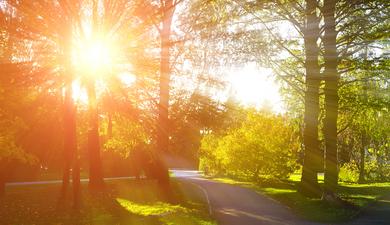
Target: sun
{"points": [[94, 57]]}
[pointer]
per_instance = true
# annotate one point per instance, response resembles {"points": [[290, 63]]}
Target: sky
{"points": [[256, 86], [250, 84]]}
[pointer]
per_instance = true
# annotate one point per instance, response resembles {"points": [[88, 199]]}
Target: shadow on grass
{"points": [[355, 196]]}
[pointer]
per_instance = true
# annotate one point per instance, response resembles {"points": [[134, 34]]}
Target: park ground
{"points": [[194, 199], [126, 201]]}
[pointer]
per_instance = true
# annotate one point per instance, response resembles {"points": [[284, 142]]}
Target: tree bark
{"points": [[364, 132], [68, 139], [362, 158], [76, 182], [163, 125], [312, 155], [2, 183], [96, 181], [109, 127], [331, 99], [70, 148]]}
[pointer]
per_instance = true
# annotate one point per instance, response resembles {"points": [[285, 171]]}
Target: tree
{"points": [[167, 8], [312, 156], [348, 29], [331, 98], [261, 147]]}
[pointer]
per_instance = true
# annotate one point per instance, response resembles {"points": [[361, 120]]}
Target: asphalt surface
{"points": [[234, 205]]}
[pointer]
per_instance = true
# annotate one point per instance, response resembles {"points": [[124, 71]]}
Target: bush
{"points": [[263, 146], [349, 172]]}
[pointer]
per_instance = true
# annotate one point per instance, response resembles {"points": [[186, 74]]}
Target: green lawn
{"points": [[357, 196], [125, 202]]}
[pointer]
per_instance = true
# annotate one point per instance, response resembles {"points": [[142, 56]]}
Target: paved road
{"points": [[234, 205]]}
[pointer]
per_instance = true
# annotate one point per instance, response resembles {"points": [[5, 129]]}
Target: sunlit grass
{"points": [[167, 213], [227, 180], [155, 209], [296, 177]]}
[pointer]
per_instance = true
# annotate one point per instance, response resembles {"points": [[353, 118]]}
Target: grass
{"points": [[357, 196], [124, 202]]}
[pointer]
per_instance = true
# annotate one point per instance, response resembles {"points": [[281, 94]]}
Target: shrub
{"points": [[264, 145], [349, 172]]}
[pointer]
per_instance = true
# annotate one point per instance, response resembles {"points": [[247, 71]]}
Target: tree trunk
{"points": [[96, 181], [68, 140], [76, 182], [331, 100], [2, 184], [364, 133], [362, 158], [163, 126], [75, 157], [109, 127], [70, 148], [312, 155]]}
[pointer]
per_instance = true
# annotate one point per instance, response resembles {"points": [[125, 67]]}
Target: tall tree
{"points": [[167, 8], [332, 78], [312, 155], [96, 181]]}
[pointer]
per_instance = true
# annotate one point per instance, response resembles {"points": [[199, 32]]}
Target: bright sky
{"points": [[255, 86]]}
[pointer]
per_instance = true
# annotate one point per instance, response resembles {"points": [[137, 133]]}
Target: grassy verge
{"points": [[358, 195], [124, 202]]}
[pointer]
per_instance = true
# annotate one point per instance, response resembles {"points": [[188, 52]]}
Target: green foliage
{"points": [[10, 150], [349, 172], [263, 146], [126, 136]]}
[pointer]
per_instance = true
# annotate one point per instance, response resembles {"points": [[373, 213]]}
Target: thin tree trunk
{"points": [[76, 182], [2, 183], [68, 142], [163, 126], [312, 155], [96, 181], [362, 158], [331, 100], [75, 157], [364, 133], [109, 127]]}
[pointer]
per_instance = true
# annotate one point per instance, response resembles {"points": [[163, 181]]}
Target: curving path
{"points": [[234, 205]]}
